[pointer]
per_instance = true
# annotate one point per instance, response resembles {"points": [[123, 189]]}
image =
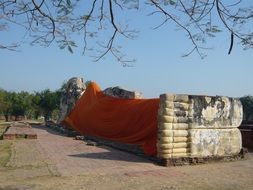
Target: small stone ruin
{"points": [[19, 130]]}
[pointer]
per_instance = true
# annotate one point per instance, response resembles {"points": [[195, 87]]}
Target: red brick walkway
{"points": [[37, 163], [90, 167], [74, 157]]}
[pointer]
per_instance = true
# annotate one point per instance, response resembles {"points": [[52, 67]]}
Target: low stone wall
{"points": [[19, 131], [198, 126]]}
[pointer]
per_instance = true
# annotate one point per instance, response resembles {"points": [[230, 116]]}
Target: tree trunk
{"points": [[6, 117]]}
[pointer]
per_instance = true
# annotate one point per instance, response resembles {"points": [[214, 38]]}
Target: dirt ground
{"points": [[54, 161]]}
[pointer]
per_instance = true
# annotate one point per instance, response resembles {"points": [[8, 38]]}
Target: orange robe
{"points": [[132, 121]]}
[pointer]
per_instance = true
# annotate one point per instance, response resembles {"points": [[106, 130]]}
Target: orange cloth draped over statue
{"points": [[132, 121]]}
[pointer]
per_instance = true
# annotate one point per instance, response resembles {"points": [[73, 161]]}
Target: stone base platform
{"points": [[19, 131], [194, 160]]}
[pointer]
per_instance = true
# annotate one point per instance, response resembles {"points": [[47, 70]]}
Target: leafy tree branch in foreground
{"points": [[101, 25]]}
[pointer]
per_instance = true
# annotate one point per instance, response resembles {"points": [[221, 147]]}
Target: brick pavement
{"points": [[74, 157], [37, 163]]}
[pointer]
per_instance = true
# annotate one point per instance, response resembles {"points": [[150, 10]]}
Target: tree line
{"points": [[30, 105], [247, 103], [46, 103]]}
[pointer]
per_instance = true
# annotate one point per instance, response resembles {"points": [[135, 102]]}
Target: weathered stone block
{"points": [[172, 126], [119, 92], [172, 139], [175, 97], [9, 136], [173, 133], [73, 90], [198, 126], [215, 112], [215, 142]]}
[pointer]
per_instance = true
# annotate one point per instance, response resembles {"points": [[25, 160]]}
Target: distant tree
{"points": [[37, 110], [21, 103], [247, 102], [30, 105], [49, 102], [100, 22], [5, 104], [29, 109]]}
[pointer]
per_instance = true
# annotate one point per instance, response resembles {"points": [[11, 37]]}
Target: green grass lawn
{"points": [[5, 146], [5, 150]]}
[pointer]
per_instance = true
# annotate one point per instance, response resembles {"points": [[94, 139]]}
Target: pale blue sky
{"points": [[159, 67]]}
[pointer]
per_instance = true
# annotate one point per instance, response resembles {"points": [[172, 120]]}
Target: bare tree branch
{"points": [[231, 43], [196, 48], [37, 7], [9, 47], [101, 26], [222, 14]]}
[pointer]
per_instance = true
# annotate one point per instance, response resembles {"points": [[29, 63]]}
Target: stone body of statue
{"points": [[72, 91]]}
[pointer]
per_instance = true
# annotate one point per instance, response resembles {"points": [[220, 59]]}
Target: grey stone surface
{"points": [[120, 92], [215, 112], [215, 142], [73, 90], [198, 126]]}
